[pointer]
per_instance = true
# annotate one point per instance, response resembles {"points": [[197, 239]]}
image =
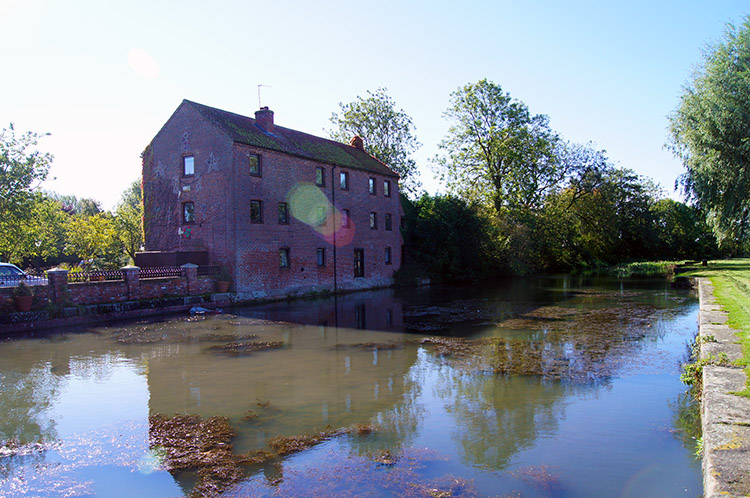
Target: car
{"points": [[10, 275]]}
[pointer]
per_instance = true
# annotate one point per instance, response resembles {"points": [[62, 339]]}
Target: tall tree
{"points": [[497, 152], [710, 133], [129, 219], [22, 168], [388, 132]]}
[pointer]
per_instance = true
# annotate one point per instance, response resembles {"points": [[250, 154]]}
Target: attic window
{"points": [[188, 166], [320, 178], [253, 162], [387, 188]]}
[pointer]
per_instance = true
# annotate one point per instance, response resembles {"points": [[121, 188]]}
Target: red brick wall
{"points": [[85, 293], [222, 190]]}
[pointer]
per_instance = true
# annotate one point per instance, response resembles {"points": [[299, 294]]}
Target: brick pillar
{"points": [[57, 280], [131, 276], [190, 273]]}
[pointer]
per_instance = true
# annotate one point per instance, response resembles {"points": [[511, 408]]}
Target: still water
{"points": [[545, 387]]}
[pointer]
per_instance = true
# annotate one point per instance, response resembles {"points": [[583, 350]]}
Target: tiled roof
{"points": [[244, 130]]}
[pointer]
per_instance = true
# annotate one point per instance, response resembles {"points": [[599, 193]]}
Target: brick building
{"points": [[284, 211]]}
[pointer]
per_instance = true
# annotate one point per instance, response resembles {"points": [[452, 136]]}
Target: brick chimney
{"points": [[357, 143], [264, 119]]}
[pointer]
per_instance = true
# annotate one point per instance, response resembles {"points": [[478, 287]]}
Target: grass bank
{"points": [[731, 280], [643, 269]]}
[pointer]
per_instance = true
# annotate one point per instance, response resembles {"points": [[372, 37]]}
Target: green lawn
{"points": [[731, 279]]}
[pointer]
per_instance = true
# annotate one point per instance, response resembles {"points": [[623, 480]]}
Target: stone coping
{"points": [[725, 417]]}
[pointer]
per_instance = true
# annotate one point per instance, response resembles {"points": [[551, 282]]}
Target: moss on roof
{"points": [[244, 130]]}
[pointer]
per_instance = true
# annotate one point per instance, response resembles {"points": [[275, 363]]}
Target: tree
{"points": [[710, 134], [94, 240], [35, 234], [497, 152], [388, 132], [447, 239], [129, 219], [22, 168]]}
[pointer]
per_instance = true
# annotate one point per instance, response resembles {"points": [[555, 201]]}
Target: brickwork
{"points": [[222, 188], [130, 289]]}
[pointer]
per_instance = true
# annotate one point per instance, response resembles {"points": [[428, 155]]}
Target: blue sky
{"points": [[103, 77]]}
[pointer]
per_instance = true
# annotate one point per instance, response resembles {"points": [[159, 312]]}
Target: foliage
{"points": [[75, 206], [35, 234], [388, 132], [22, 289], [447, 238], [496, 152], [22, 169], [709, 133], [94, 240], [129, 219]]}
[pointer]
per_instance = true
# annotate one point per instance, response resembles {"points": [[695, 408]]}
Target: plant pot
{"points": [[222, 286], [23, 303]]}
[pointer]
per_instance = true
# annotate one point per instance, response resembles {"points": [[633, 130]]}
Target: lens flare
{"points": [[308, 204]]}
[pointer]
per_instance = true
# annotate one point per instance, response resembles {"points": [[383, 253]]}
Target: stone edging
{"points": [[725, 418]]}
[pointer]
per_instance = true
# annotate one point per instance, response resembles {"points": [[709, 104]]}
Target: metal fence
{"points": [[160, 272]]}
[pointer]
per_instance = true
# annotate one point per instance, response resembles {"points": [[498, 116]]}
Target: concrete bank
{"points": [[725, 417]]}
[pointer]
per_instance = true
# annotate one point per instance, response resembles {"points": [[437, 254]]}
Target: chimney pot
{"points": [[357, 143], [264, 119]]}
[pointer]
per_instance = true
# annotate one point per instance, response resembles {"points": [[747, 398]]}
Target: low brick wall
{"points": [[131, 288]]}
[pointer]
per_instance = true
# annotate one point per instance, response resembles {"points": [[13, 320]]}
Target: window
{"points": [[188, 166], [283, 213], [373, 190], [387, 188], [344, 180], [359, 262], [388, 255], [188, 212], [345, 216], [373, 221], [320, 177], [388, 223], [321, 256], [256, 211], [253, 162], [284, 257]]}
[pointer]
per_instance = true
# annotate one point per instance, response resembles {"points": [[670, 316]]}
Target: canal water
{"points": [[544, 387]]}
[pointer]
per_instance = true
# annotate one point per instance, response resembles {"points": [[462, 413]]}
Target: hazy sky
{"points": [[102, 77]]}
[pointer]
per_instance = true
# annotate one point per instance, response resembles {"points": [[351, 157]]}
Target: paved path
{"points": [[725, 417]]}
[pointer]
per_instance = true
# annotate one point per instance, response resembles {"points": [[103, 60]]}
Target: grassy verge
{"points": [[731, 280]]}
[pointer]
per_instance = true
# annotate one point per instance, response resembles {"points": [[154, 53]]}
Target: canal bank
{"points": [[725, 416]]}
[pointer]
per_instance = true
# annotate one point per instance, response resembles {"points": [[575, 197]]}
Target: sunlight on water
{"points": [[536, 388]]}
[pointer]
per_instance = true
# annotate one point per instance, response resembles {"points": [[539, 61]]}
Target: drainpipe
{"points": [[335, 269]]}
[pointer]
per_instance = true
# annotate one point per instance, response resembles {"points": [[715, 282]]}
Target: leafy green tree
{"points": [[94, 240], [129, 219], [497, 153], [36, 234], [22, 168], [388, 132], [710, 133]]}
